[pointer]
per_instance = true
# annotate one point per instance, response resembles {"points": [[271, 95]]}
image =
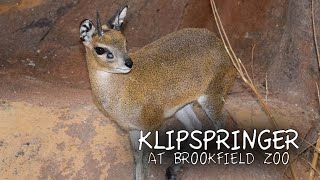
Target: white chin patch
{"points": [[123, 70], [117, 71]]}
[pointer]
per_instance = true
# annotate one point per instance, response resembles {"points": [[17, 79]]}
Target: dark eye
{"points": [[109, 55], [99, 50]]}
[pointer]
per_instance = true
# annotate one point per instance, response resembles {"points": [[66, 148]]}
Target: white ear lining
{"points": [[86, 31], [116, 20], [120, 17]]}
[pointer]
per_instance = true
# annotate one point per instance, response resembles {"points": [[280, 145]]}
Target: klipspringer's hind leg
{"points": [[213, 99], [171, 172], [139, 157], [212, 105], [191, 122], [188, 118]]}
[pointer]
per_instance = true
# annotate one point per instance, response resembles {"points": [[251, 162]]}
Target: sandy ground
{"points": [[51, 131], [55, 132]]}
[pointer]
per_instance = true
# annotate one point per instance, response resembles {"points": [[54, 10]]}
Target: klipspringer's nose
{"points": [[128, 62]]}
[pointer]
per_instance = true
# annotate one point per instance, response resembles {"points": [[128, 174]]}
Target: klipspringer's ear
{"points": [[86, 31], [117, 20]]}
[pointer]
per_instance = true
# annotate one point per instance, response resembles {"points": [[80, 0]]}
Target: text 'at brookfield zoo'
{"points": [[280, 141]]}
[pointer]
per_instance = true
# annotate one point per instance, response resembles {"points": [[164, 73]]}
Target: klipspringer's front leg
{"points": [[139, 156], [191, 122]]}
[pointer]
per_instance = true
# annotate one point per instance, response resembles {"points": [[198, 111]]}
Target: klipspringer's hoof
{"points": [[170, 174]]}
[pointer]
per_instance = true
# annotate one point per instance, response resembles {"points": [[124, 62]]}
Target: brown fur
{"points": [[166, 75]]}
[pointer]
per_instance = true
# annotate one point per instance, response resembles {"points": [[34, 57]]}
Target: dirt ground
{"points": [[51, 129]]}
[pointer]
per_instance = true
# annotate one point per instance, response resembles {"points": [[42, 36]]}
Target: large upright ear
{"points": [[86, 31], [116, 21]]}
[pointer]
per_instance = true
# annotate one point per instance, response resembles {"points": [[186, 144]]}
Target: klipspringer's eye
{"points": [[99, 50], [109, 55]]}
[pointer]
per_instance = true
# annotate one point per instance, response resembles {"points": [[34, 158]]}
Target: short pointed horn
{"points": [[99, 27]]}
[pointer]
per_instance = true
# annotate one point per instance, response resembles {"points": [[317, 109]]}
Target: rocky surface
{"points": [[50, 131]]}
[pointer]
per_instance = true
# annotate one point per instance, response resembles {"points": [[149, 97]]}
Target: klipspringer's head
{"points": [[106, 44]]}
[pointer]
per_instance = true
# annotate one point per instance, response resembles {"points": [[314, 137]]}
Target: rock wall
{"points": [[40, 38]]}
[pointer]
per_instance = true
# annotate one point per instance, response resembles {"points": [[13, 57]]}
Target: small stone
{"points": [[20, 153], [30, 62]]}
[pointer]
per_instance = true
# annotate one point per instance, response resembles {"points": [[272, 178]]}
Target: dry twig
{"points": [[292, 171], [315, 159], [252, 65], [242, 70], [315, 34], [318, 93], [310, 165], [238, 63], [267, 92], [298, 155]]}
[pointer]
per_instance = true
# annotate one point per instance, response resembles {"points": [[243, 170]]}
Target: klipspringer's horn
{"points": [[99, 27]]}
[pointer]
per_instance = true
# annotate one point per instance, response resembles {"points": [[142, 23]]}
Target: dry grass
{"points": [[267, 91], [315, 34], [314, 162], [243, 72], [252, 65], [246, 78], [239, 65], [315, 158]]}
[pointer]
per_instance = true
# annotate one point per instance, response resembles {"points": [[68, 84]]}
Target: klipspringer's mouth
{"points": [[123, 70]]}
